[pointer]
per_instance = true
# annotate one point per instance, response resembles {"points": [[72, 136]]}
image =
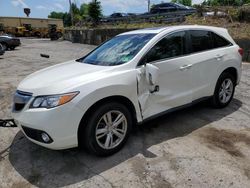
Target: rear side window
{"points": [[220, 41], [173, 45], [201, 40]]}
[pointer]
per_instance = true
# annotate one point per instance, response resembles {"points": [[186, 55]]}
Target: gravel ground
{"points": [[195, 147]]}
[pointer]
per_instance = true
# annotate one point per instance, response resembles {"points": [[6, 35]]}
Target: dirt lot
{"points": [[195, 147]]}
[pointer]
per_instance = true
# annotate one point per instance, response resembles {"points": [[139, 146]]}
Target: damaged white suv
{"points": [[95, 100]]}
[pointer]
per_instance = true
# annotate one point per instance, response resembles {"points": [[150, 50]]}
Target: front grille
{"points": [[20, 100], [35, 134]]}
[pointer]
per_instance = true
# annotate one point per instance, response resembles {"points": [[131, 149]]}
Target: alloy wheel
{"points": [[111, 129], [226, 91]]}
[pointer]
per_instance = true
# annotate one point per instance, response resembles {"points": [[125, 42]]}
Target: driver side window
{"points": [[173, 45]]}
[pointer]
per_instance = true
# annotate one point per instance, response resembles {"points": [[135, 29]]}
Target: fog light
{"points": [[45, 137]]}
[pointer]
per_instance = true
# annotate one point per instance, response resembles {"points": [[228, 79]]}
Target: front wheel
{"points": [[224, 90], [107, 129], [4, 46]]}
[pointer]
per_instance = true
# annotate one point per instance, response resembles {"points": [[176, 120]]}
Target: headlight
{"points": [[52, 101]]}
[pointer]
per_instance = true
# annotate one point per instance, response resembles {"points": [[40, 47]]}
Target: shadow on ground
{"points": [[47, 168]]}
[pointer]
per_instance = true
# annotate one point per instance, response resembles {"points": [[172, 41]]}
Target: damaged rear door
{"points": [[173, 85]]}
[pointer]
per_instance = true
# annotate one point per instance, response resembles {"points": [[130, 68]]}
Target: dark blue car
{"points": [[170, 7], [9, 42]]}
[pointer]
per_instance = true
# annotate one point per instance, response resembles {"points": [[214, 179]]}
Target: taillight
{"points": [[241, 51]]}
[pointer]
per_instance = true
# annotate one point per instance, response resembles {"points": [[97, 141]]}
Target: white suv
{"points": [[95, 100]]}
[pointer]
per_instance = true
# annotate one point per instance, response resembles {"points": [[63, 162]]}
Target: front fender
{"points": [[125, 86]]}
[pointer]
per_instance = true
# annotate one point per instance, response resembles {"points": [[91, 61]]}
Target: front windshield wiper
{"points": [[79, 60]]}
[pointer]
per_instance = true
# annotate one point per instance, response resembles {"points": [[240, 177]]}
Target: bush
{"points": [[244, 14], [95, 11]]}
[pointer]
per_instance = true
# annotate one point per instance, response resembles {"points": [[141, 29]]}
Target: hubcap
{"points": [[226, 91], [111, 129]]}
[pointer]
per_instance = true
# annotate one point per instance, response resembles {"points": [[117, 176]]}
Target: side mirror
{"points": [[152, 74]]}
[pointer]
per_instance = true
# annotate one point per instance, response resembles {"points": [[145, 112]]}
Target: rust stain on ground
{"points": [[247, 173], [225, 139], [20, 184]]}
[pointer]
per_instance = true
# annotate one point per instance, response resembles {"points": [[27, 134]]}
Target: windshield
{"points": [[118, 50]]}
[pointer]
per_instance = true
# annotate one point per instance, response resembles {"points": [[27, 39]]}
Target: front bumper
{"points": [[60, 123]]}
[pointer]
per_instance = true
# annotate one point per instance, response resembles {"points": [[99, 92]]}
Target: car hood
{"points": [[57, 79]]}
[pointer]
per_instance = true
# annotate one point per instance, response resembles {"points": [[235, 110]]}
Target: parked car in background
{"points": [[118, 15], [95, 101], [170, 7], [9, 42], [2, 51], [132, 14]]}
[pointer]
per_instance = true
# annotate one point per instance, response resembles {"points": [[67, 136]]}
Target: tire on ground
{"points": [[216, 102], [87, 131]]}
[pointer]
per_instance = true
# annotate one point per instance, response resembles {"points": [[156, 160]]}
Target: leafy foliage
{"points": [[84, 10], [61, 15], [95, 11], [184, 2], [225, 2], [92, 10]]}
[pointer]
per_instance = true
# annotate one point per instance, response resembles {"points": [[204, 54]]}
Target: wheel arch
{"points": [[232, 71], [4, 43], [116, 98]]}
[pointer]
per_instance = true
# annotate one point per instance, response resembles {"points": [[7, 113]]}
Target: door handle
{"points": [[184, 67], [219, 56]]}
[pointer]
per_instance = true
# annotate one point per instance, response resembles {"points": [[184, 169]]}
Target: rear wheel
{"points": [[224, 90], [107, 129], [59, 34]]}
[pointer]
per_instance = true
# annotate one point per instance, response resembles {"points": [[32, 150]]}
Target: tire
{"points": [[106, 142], [12, 47], [223, 94], [59, 34], [38, 34], [4, 46]]}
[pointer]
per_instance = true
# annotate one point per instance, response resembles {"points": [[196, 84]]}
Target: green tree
{"points": [[61, 15], [84, 10], [225, 2], [187, 2], [95, 11], [183, 2], [67, 19], [58, 15], [75, 9], [76, 13]]}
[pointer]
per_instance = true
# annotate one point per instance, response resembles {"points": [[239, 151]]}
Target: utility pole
{"points": [[148, 5], [71, 13]]}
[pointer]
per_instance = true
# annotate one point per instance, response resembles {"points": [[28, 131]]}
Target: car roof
{"points": [[157, 30]]}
